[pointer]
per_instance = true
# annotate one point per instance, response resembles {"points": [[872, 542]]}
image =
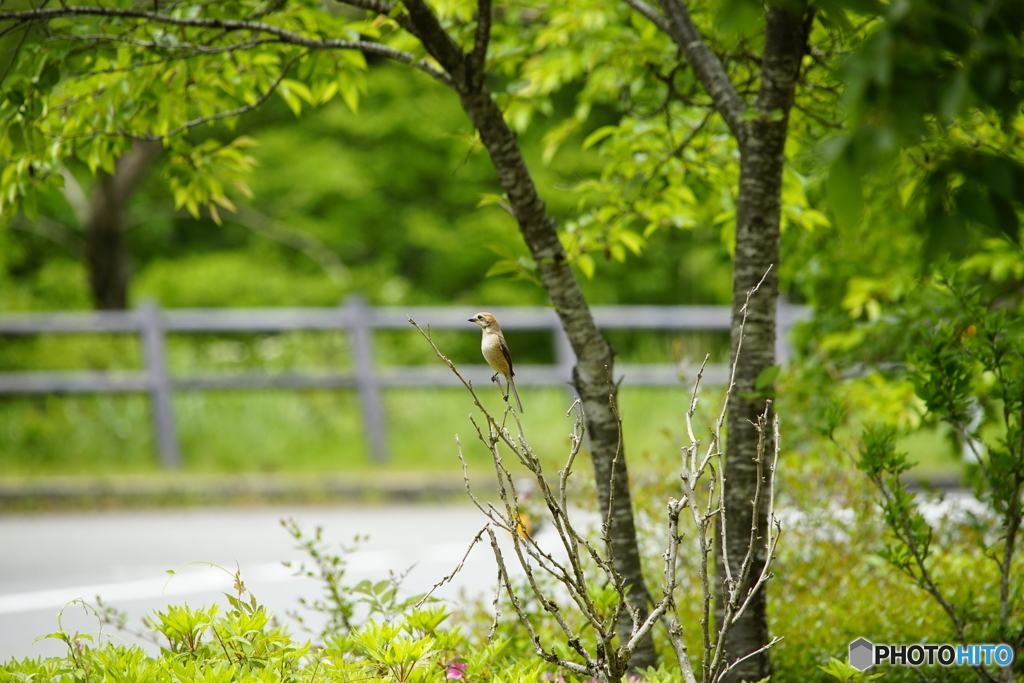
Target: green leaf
{"points": [[1006, 219], [844, 189], [598, 135], [30, 205], [349, 89], [633, 241], [738, 18], [952, 97], [266, 59], [750, 114], [516, 86], [767, 376], [488, 198], [503, 267], [586, 265], [48, 78], [290, 97]]}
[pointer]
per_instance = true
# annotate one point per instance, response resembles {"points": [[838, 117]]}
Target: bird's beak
{"points": [[471, 320]]}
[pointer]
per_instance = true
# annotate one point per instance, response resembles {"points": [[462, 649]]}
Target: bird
{"points": [[496, 353]]}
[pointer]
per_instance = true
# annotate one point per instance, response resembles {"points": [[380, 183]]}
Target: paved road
{"points": [[50, 559]]}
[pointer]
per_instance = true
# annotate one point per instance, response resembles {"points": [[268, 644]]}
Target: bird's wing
{"points": [[508, 356]]}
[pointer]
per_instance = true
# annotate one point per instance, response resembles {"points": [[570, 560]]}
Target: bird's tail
{"points": [[512, 383]]}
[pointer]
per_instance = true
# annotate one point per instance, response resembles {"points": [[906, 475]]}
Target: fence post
{"points": [[786, 316], [155, 358], [565, 357], [361, 330]]}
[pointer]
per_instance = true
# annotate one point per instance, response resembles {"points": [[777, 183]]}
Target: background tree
{"points": [[183, 70], [106, 250]]}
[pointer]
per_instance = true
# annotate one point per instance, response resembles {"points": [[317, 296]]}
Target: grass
{"points": [[309, 431], [270, 431], [301, 431]]}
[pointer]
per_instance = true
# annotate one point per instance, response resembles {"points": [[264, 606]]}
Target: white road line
{"points": [[193, 579], [198, 578]]}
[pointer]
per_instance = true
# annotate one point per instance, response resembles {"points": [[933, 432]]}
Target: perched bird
{"points": [[495, 351]]}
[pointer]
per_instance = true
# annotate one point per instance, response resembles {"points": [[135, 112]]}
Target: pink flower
{"points": [[455, 669]]}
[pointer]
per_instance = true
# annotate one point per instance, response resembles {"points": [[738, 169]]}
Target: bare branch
{"points": [[607, 660], [478, 57], [438, 42], [14, 54], [276, 230], [455, 571], [650, 13], [53, 231], [222, 114], [523, 619], [675, 633], [228, 25], [756, 652], [706, 66], [386, 9], [187, 50]]}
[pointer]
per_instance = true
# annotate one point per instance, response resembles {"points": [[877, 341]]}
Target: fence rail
{"points": [[360, 321]]}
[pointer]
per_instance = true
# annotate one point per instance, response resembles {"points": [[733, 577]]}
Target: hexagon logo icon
{"points": [[862, 654]]}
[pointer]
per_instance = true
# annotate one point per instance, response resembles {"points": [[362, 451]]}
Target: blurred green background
{"points": [[383, 203]]}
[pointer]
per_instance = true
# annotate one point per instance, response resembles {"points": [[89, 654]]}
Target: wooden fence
{"points": [[360, 321]]}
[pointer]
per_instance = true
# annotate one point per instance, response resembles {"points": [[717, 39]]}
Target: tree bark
{"points": [[758, 209], [106, 252], [762, 140], [595, 357]]}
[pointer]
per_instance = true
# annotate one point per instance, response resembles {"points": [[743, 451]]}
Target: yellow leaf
{"points": [[243, 141], [633, 241], [586, 265], [598, 135], [226, 203], [299, 88], [488, 198]]}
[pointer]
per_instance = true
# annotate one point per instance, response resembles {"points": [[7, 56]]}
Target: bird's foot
{"points": [[494, 377]]}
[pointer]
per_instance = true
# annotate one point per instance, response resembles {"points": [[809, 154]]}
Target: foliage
{"points": [[392, 192], [826, 567], [341, 602], [942, 82], [844, 673], [831, 586], [928, 149], [968, 368], [242, 643]]}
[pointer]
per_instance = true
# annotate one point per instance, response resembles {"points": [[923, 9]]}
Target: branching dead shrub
{"points": [[578, 604]]}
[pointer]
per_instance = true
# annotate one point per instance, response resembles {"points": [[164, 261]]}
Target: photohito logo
{"points": [[863, 653]]}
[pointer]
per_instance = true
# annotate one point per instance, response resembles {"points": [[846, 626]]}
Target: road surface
{"points": [[48, 560]]}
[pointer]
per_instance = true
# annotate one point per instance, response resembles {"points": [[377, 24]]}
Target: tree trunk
{"points": [[106, 252], [595, 357], [762, 142], [758, 209], [592, 374]]}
